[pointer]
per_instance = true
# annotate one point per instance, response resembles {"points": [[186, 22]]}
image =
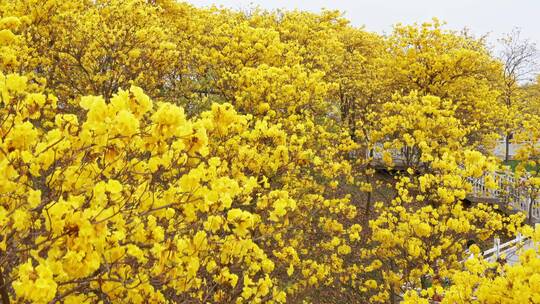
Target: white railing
{"points": [[505, 249], [509, 248], [376, 155], [505, 182], [509, 188]]}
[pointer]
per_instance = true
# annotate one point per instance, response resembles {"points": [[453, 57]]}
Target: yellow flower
{"points": [[34, 198], [6, 36]]}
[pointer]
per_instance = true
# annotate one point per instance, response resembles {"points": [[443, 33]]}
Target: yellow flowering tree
{"points": [[131, 200], [481, 281], [452, 66], [157, 152]]}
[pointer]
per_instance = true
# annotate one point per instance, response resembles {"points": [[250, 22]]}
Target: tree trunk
{"points": [[3, 289], [369, 197], [507, 147], [392, 296], [368, 203], [529, 212]]}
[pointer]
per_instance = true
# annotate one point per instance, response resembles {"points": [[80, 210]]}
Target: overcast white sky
{"points": [[481, 16]]}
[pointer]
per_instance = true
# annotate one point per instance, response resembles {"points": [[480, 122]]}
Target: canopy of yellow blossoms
{"points": [[154, 152]]}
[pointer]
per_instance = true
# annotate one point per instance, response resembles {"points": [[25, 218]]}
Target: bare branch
{"points": [[519, 56]]}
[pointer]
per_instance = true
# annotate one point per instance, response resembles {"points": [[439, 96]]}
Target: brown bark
{"points": [[3, 289], [507, 147]]}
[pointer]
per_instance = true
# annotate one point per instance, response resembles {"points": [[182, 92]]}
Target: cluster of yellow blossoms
{"points": [[153, 152]]}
